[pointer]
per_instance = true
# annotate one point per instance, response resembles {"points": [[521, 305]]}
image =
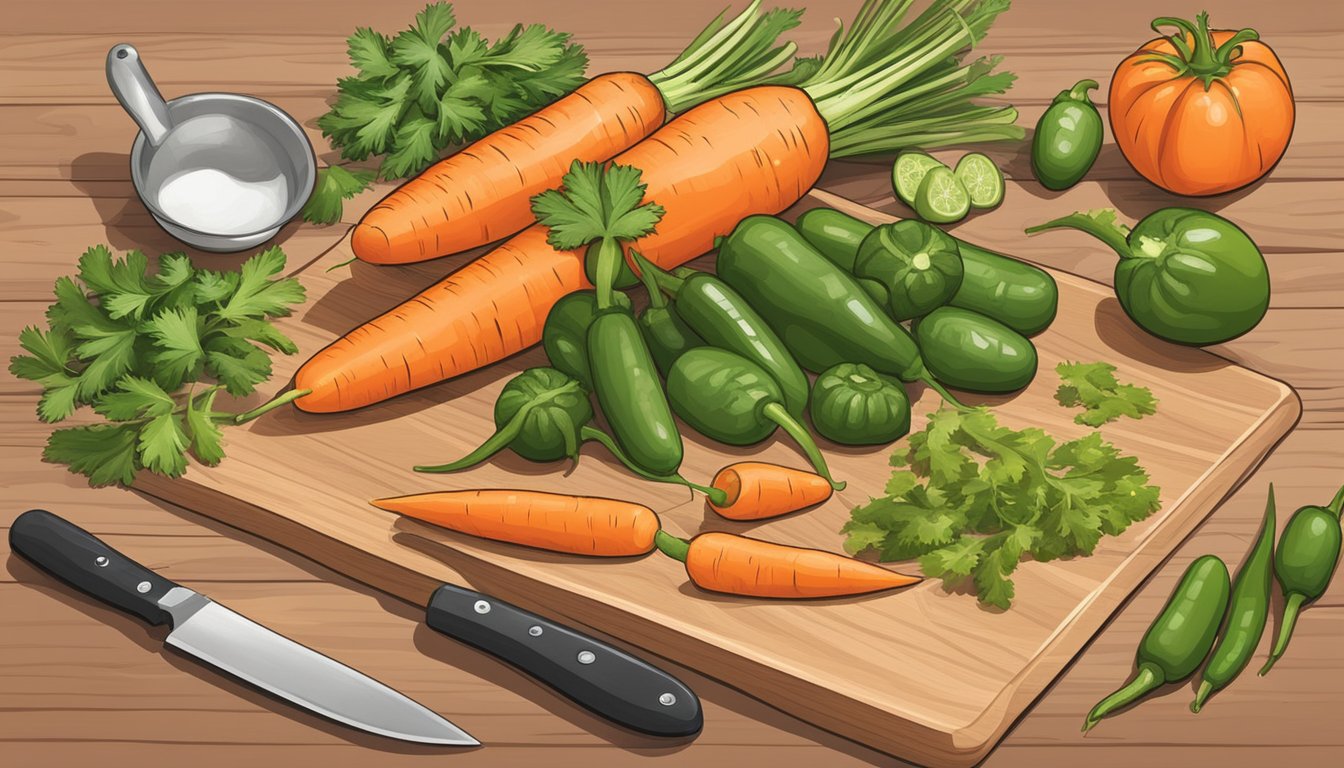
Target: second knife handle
{"points": [[76, 556]]}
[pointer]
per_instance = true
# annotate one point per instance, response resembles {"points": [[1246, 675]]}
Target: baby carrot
{"points": [[758, 491], [580, 525], [737, 565]]}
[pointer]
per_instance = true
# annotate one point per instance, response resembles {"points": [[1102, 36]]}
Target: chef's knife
{"points": [[604, 679], [224, 639]]}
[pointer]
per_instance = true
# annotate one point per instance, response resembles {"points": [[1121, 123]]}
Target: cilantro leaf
{"points": [[239, 366], [103, 274], [214, 287], [257, 295], [60, 398], [418, 49], [334, 184], [368, 51], [105, 453], [414, 148], [162, 445], [263, 332], [595, 203], [49, 354], [111, 354], [206, 436], [135, 398], [177, 335], [1103, 397]]}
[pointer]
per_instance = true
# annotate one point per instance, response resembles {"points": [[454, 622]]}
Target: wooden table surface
{"points": [[83, 684]]}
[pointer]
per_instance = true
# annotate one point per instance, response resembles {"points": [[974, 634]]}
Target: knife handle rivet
{"points": [[142, 587], [482, 606], [534, 631], [100, 561], [667, 699], [587, 657]]}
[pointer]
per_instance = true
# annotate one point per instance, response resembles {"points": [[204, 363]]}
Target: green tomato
{"points": [[854, 405], [918, 264], [1185, 275]]}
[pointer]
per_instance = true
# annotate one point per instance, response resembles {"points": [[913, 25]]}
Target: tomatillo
{"points": [[854, 405]]}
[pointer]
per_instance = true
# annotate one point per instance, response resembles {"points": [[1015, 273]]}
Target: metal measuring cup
{"points": [[219, 171]]}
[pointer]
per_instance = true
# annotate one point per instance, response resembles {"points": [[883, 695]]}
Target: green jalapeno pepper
{"points": [[631, 394], [854, 405], [823, 317], [919, 266], [1019, 295], [967, 350], [1179, 639], [1184, 275], [1246, 614], [666, 334], [732, 400], [1068, 138], [565, 334], [725, 320], [1304, 563], [543, 414]]}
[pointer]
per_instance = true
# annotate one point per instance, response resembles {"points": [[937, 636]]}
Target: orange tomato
{"points": [[1201, 112]]}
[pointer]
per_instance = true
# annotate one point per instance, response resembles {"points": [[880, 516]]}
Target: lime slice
{"points": [[982, 179], [909, 172], [941, 198]]}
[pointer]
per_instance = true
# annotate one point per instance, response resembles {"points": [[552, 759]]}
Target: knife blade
{"points": [[224, 639], [593, 674]]}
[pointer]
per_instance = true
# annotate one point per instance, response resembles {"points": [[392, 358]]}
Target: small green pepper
{"points": [[565, 334], [725, 320], [1245, 615], [728, 398], [1179, 639], [1184, 275], [631, 394], [1068, 138], [854, 405], [969, 351], [667, 335], [918, 264], [1019, 295], [543, 415], [1306, 559]]}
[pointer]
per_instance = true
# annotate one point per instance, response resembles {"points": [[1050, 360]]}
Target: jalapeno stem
{"points": [[648, 275], [609, 261], [674, 547], [492, 445], [1148, 678], [587, 433], [1290, 613], [933, 384], [1337, 503], [1079, 91], [777, 413]]}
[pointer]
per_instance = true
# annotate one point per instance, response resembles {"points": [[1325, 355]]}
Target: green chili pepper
{"points": [[1184, 275], [1179, 639], [631, 394], [1019, 295], [725, 320], [821, 314], [967, 350], [919, 266], [543, 415], [1306, 558], [1067, 139], [565, 334], [731, 399], [854, 405], [1245, 615], [665, 333]]}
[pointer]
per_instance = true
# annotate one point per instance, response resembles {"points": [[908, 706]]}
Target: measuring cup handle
{"points": [[136, 91]]}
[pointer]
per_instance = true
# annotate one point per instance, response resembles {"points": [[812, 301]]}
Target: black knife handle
{"points": [[74, 555], [604, 679]]}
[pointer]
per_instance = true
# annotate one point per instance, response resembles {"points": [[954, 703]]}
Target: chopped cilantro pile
{"points": [[125, 341], [971, 498], [1104, 399]]}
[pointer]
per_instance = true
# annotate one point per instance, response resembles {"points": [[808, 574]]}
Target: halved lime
{"points": [[908, 172], [941, 198], [982, 179]]}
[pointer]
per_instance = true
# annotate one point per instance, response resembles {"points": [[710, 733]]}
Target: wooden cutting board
{"points": [[924, 674]]}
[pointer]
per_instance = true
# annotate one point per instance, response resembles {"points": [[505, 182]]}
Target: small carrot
{"points": [[759, 491], [580, 525], [737, 565]]}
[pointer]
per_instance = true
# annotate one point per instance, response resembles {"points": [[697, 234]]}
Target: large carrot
{"points": [[581, 525], [482, 193], [752, 151], [759, 491], [737, 565]]}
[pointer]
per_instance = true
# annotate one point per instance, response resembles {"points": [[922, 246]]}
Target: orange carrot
{"points": [[753, 151], [737, 565], [759, 491], [581, 525], [481, 193]]}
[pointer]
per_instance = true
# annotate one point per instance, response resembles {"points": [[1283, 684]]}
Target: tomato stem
{"points": [[1196, 52]]}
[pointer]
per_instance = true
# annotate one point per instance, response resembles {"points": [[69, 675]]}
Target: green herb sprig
{"points": [[126, 342], [971, 498], [1103, 397]]}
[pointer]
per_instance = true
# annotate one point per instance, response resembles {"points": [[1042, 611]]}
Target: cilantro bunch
{"points": [[973, 498], [125, 342], [431, 87], [1103, 397]]}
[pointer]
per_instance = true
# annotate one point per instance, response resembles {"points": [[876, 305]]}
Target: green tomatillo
{"points": [[1185, 275], [854, 405], [918, 264]]}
